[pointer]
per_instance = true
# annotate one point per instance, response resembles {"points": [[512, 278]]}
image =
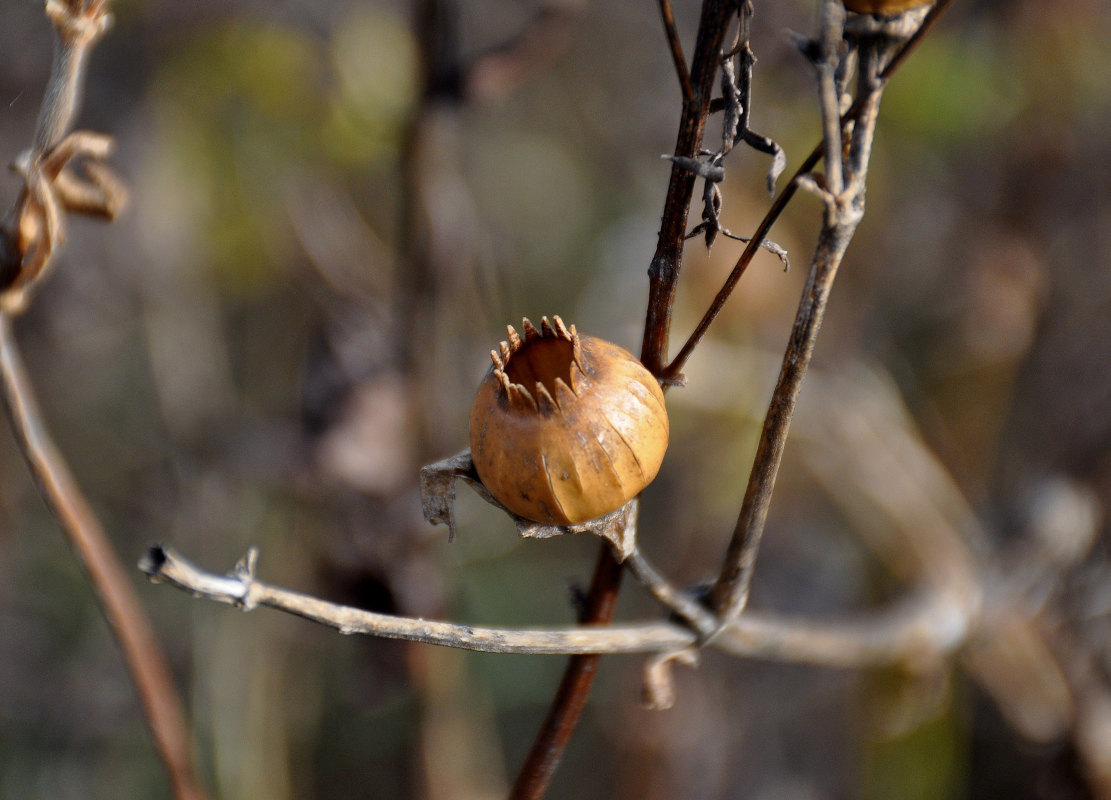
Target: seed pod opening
{"points": [[566, 427]]}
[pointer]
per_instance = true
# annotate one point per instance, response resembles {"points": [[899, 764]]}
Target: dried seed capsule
{"points": [[566, 427]]}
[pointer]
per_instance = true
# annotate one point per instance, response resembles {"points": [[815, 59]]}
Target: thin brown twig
{"points": [[142, 653], [567, 706], [676, 47], [30, 236], [673, 370]]}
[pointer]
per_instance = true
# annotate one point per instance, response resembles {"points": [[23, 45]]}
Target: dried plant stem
{"points": [[697, 86], [676, 47], [567, 706], [731, 588], [663, 272], [923, 626], [79, 25], [675, 368], [141, 651], [842, 189]]}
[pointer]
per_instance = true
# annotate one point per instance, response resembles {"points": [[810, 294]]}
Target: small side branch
{"points": [[676, 48]]}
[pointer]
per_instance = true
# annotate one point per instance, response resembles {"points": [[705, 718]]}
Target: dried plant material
{"points": [[34, 229], [1013, 662], [437, 489], [658, 690]]}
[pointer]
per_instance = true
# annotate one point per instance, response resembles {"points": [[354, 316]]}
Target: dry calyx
{"points": [[566, 429]]}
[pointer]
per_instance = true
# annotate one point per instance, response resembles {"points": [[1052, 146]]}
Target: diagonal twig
{"points": [[141, 650], [842, 191]]}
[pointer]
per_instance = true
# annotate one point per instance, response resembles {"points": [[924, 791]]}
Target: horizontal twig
{"points": [[925, 626]]}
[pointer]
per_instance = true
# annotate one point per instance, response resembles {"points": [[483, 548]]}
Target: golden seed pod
{"points": [[884, 8], [566, 427]]}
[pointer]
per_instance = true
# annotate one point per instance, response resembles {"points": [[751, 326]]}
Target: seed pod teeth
{"points": [[514, 339], [519, 397], [546, 328], [530, 330], [505, 351], [564, 394], [499, 363], [545, 403], [562, 329]]}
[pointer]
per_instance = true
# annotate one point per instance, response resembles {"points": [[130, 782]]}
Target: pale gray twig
{"points": [[926, 626]]}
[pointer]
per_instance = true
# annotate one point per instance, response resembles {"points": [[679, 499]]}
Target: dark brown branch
{"points": [[141, 650], [574, 688], [663, 272]]}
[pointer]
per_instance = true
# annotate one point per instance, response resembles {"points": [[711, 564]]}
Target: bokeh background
{"points": [[332, 218]]}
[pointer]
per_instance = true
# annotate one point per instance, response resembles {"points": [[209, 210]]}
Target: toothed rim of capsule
{"points": [[518, 393]]}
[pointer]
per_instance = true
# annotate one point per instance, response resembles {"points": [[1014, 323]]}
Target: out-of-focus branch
{"points": [[30, 236], [141, 651], [34, 229], [497, 72]]}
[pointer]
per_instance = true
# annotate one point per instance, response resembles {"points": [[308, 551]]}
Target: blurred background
{"points": [[335, 209]]}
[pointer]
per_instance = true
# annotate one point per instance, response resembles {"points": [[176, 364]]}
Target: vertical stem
{"points": [[77, 28], [730, 592], [663, 272], [570, 699]]}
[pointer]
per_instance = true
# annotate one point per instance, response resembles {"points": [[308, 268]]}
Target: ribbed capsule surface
{"points": [[566, 427]]}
